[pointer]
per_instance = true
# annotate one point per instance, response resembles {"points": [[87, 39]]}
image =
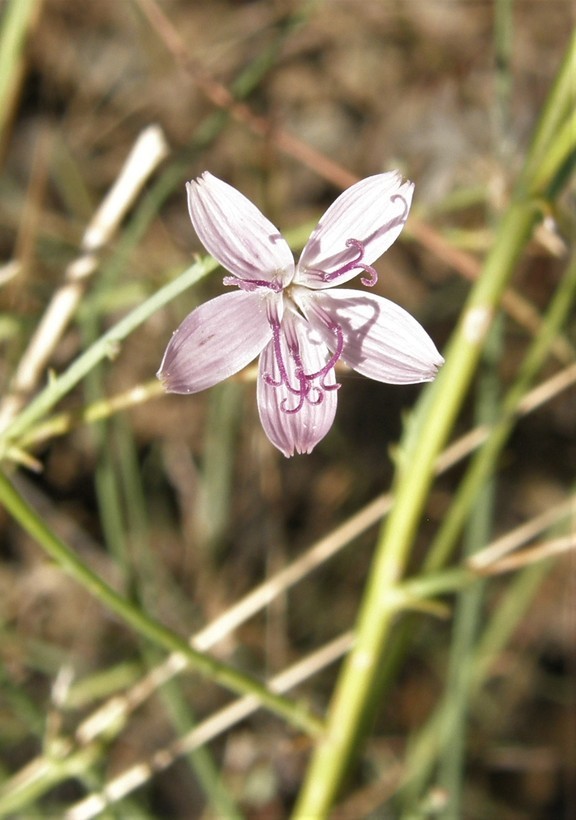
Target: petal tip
{"points": [[435, 367], [169, 384], [163, 379]]}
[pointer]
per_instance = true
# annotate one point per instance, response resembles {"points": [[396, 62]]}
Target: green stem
{"points": [[485, 459], [559, 104], [438, 729], [200, 760], [105, 347], [434, 421], [17, 22], [560, 151], [238, 682], [62, 423], [469, 604], [16, 799]]}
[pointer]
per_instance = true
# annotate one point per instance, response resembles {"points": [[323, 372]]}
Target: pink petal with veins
{"points": [[289, 429], [372, 212], [381, 340], [236, 233], [216, 340]]}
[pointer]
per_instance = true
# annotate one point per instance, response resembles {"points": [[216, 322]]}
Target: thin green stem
{"points": [[17, 21], [485, 459], [295, 713], [434, 421], [468, 611], [503, 41], [560, 152], [469, 601], [438, 728], [200, 760], [62, 423], [107, 346], [18, 797], [559, 104]]}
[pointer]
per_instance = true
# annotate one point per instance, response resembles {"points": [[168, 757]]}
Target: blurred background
{"points": [[181, 501]]}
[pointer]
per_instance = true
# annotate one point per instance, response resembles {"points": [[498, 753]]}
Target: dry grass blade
{"points": [[140, 773], [147, 153]]}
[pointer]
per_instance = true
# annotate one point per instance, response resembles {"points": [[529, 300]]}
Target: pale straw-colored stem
{"points": [[146, 155]]}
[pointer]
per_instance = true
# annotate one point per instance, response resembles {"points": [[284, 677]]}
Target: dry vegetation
{"points": [[181, 503]]}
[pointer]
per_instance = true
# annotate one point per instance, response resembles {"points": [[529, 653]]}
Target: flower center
{"points": [[369, 281], [305, 387], [310, 386]]}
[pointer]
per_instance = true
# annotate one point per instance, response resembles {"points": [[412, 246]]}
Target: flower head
{"points": [[293, 316]]}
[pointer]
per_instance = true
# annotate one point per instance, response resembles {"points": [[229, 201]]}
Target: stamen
{"points": [[321, 374], [304, 380], [353, 264], [303, 388], [291, 410], [275, 325], [401, 219], [306, 390]]}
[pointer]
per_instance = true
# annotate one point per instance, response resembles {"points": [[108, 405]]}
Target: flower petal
{"points": [[236, 233], [217, 339], [381, 339], [372, 212], [294, 423]]}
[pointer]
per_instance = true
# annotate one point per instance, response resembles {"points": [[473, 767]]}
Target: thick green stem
{"points": [[437, 414], [416, 472]]}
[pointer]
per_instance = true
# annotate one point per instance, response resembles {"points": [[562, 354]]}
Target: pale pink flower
{"points": [[293, 316]]}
